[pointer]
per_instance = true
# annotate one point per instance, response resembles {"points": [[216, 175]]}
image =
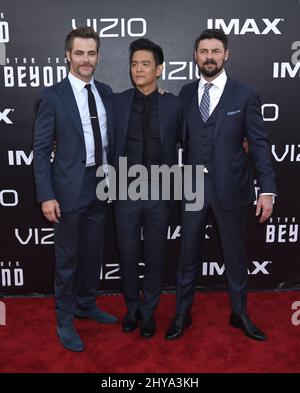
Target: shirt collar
{"points": [[78, 83], [150, 97], [219, 82]]}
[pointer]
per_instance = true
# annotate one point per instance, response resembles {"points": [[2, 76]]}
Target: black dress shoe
{"points": [[147, 327], [179, 323], [130, 321], [244, 323]]}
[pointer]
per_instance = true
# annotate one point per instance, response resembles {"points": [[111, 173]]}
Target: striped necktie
{"points": [[95, 125], [205, 102]]}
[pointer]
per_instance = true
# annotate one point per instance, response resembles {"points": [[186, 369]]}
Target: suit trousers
{"points": [[79, 245], [231, 225], [152, 217]]}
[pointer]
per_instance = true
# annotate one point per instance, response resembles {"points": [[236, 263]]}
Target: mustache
{"points": [[209, 62]]}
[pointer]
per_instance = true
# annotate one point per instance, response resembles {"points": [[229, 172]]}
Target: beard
{"points": [[209, 72]]}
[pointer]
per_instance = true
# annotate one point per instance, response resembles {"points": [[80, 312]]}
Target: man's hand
{"points": [[264, 203], [161, 91], [246, 145], [51, 210]]}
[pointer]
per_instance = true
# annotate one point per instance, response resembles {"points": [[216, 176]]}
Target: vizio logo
{"points": [[4, 116]]}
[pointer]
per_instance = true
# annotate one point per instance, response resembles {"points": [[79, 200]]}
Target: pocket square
{"points": [[233, 113]]}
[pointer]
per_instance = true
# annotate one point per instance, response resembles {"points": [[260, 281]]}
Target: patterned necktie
{"points": [[205, 102], [95, 125]]}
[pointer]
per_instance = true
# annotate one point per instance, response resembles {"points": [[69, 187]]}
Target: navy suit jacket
{"points": [[238, 116], [58, 119], [169, 120]]}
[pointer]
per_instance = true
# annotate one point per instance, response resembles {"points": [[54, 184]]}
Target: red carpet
{"points": [[29, 343]]}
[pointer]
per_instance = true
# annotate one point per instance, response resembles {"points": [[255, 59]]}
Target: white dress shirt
{"points": [[215, 91], [81, 97]]}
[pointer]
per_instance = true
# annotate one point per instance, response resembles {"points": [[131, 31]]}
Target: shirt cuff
{"points": [[269, 193]]}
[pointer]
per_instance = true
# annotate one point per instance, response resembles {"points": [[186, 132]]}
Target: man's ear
{"points": [[68, 55], [159, 70], [195, 56], [226, 54]]}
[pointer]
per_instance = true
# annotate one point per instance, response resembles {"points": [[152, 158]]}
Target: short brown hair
{"points": [[217, 34], [81, 32]]}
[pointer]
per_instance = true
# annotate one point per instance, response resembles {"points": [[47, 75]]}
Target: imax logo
{"points": [[4, 116], [286, 70], [265, 26], [213, 268], [19, 157], [176, 233]]}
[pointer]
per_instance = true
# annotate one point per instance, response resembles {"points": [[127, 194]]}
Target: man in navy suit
{"points": [[147, 127], [218, 112], [77, 114]]}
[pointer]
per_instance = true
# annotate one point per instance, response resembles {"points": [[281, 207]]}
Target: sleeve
{"points": [[259, 145], [43, 137]]}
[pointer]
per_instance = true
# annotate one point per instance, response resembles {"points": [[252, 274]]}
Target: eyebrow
{"points": [[88, 51], [211, 49], [142, 61]]}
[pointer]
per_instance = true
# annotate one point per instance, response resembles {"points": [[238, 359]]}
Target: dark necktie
{"points": [[205, 102], [95, 125]]}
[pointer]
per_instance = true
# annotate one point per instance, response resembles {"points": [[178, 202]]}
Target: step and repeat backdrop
{"points": [[264, 42]]}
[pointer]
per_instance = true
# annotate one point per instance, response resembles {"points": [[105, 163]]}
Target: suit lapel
{"points": [[222, 107], [107, 102], [66, 94], [125, 118]]}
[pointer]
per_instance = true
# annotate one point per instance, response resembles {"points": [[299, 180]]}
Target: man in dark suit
{"points": [[77, 114], [147, 126], [218, 112]]}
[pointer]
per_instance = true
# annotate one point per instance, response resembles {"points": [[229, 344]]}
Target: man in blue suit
{"points": [[147, 127], [77, 114], [218, 112]]}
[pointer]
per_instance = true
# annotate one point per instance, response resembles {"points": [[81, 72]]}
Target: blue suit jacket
{"points": [[58, 119], [238, 116], [169, 120]]}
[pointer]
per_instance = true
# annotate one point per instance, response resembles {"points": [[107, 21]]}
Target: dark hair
{"points": [[218, 34], [145, 44], [81, 32]]}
